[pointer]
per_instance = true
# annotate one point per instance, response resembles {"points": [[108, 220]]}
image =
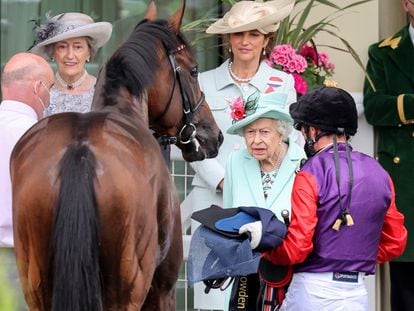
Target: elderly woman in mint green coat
{"points": [[262, 174]]}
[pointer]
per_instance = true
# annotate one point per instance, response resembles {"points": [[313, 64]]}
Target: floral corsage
{"points": [[240, 108]]}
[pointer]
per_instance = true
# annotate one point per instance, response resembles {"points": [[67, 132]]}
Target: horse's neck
{"points": [[97, 101], [125, 102], [132, 106], [140, 108]]}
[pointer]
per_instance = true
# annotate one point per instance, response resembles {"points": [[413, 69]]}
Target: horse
{"points": [[96, 216]]}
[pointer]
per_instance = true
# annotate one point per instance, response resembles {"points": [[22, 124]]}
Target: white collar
{"points": [[16, 106], [411, 31]]}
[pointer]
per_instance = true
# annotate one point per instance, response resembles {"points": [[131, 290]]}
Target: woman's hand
{"points": [[255, 230]]}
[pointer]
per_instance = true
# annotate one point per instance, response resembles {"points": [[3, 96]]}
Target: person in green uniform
{"points": [[389, 107]]}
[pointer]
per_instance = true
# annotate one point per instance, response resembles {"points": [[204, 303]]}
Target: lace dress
{"points": [[63, 102]]}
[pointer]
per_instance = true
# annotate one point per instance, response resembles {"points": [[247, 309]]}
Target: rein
{"points": [[188, 109]]}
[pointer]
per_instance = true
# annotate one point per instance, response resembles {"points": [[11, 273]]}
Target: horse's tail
{"points": [[76, 269]]}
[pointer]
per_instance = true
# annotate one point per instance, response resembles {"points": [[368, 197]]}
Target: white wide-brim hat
{"points": [[270, 105], [250, 15], [70, 25]]}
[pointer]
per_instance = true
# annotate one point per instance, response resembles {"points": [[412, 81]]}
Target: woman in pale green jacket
{"points": [[262, 174], [248, 28]]}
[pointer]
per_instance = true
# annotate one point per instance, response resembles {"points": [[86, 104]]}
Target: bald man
{"points": [[25, 83]]}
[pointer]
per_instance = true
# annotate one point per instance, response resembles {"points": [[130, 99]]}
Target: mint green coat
{"points": [[243, 181], [390, 109]]}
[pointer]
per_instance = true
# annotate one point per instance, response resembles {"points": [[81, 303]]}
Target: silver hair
{"points": [[283, 128]]}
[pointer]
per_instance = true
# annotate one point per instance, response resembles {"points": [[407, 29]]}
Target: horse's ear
{"points": [[151, 13], [176, 20]]}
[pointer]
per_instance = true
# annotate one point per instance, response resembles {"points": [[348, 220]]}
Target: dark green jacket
{"points": [[390, 109]]}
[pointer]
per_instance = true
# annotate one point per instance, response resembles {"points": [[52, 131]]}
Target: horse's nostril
{"points": [[220, 138]]}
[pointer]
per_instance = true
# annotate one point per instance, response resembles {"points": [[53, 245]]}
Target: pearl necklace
{"points": [[280, 155], [236, 78], [279, 159], [71, 86]]}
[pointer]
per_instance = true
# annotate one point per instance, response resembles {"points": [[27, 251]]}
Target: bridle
{"points": [[188, 109]]}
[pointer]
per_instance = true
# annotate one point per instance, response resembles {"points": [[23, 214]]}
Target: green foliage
{"points": [[7, 296], [293, 30]]}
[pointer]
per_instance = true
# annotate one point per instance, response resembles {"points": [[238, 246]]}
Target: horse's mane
{"points": [[134, 64]]}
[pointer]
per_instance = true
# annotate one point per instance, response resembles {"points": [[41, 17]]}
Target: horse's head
{"points": [[181, 115], [153, 77]]}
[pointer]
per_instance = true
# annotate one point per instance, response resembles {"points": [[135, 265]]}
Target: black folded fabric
{"points": [[209, 216]]}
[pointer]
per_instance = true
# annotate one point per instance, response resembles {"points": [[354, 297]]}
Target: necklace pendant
{"points": [[71, 86]]}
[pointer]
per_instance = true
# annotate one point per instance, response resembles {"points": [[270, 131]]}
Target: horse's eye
{"points": [[194, 72]]}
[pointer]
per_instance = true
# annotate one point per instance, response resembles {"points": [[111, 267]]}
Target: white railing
{"points": [[182, 175]]}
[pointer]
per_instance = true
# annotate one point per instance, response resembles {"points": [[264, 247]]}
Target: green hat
{"points": [[258, 105]]}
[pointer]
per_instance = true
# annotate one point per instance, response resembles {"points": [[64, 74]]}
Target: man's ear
{"points": [[36, 85], [313, 131]]}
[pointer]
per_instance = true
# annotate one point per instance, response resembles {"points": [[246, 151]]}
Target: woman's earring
{"points": [[229, 49], [87, 60], [264, 52]]}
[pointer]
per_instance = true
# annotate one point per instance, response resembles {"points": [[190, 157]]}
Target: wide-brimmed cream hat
{"points": [[66, 26], [270, 105], [250, 15]]}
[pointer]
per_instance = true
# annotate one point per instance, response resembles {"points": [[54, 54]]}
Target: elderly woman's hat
{"points": [[70, 25], [260, 105], [250, 15]]}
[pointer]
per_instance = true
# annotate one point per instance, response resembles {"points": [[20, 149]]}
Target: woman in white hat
{"points": [[249, 27], [70, 40]]}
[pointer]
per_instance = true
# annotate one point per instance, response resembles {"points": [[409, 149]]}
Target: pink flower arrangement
{"points": [[308, 67], [300, 83], [287, 58], [320, 60]]}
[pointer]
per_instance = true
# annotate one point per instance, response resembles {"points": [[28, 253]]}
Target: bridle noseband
{"points": [[188, 109]]}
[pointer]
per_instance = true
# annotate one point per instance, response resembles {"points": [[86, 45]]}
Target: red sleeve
{"points": [[298, 241], [394, 234]]}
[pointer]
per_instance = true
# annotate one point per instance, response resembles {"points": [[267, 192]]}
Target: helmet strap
{"points": [[344, 216], [310, 142]]}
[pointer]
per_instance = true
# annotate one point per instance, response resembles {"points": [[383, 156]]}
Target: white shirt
{"points": [[411, 31], [15, 119]]}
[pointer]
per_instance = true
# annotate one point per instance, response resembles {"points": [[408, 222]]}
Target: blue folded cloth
{"points": [[233, 223], [217, 250]]}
